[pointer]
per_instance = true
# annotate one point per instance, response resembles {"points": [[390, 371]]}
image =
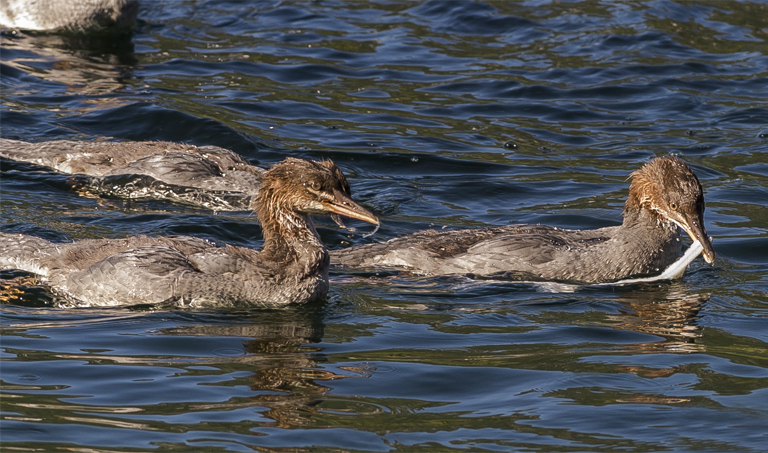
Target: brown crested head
{"points": [[670, 191], [307, 187]]}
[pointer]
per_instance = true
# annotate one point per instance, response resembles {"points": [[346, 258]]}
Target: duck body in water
{"points": [[291, 267], [207, 176], [69, 15], [665, 196]]}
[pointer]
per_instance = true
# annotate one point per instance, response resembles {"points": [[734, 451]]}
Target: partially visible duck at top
{"points": [[207, 176], [665, 196], [291, 267], [69, 15]]}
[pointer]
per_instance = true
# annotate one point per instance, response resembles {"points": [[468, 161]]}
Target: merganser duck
{"points": [[665, 196], [207, 176], [291, 267], [70, 15]]}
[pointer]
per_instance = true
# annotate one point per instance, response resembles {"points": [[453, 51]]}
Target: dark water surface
{"points": [[442, 114]]}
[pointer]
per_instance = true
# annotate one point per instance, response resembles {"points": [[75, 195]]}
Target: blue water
{"points": [[442, 114]]}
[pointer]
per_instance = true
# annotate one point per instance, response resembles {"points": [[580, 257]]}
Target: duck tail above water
{"points": [[22, 252]]}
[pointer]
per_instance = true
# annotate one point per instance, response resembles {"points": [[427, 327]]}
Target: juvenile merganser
{"points": [[291, 267], [207, 176], [664, 197], [69, 15]]}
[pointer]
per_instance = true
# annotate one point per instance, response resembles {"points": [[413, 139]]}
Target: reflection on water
{"points": [[278, 350], [670, 312], [285, 362], [360, 366], [82, 65]]}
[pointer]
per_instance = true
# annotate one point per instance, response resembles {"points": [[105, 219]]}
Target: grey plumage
{"points": [[664, 195], [292, 267], [69, 15], [206, 176]]}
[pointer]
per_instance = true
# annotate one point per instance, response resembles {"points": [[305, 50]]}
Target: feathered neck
{"points": [[287, 232]]}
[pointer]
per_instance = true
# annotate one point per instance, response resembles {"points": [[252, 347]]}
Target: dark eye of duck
{"points": [[673, 205], [314, 185]]}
